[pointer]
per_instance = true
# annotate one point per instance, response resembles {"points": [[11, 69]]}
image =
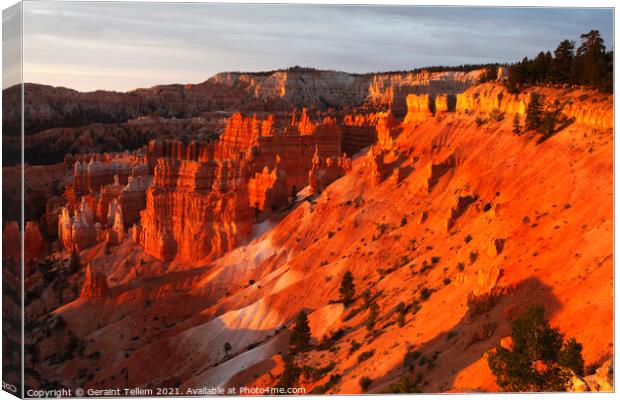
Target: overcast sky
{"points": [[121, 46]]}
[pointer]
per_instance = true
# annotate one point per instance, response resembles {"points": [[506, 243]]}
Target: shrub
{"points": [[365, 383], [496, 115], [354, 347], [540, 360], [425, 293], [333, 380], [315, 374], [403, 221], [365, 356], [406, 384], [382, 228], [410, 358], [516, 125], [480, 121], [357, 202]]}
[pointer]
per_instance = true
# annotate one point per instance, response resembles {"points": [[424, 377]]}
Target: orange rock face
{"points": [[205, 196], [268, 190], [78, 230], [100, 170], [419, 107], [324, 172], [195, 210], [95, 284], [488, 97]]}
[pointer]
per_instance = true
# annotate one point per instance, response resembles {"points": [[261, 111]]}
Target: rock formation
{"points": [[324, 172], [116, 233], [445, 103], [132, 198], [268, 190], [11, 248], [106, 169], [217, 188], [359, 131], [387, 130], [35, 246], [95, 284], [419, 108], [78, 230], [488, 97], [376, 165]]}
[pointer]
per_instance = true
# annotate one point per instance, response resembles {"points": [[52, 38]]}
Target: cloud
{"points": [[106, 45]]}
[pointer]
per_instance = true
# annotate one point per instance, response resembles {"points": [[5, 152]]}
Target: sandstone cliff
{"points": [[584, 106]]}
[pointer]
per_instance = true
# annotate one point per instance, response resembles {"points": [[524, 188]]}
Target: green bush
{"points": [[540, 360], [406, 384], [365, 383]]}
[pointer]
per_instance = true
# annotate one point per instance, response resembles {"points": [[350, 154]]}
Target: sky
{"points": [[122, 46]]}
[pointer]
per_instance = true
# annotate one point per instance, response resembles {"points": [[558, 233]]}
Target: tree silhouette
{"points": [[347, 289], [534, 112], [300, 337], [562, 66], [373, 313], [539, 359], [290, 375], [589, 65]]}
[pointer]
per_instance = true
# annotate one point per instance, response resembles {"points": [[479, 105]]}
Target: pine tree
{"points": [[516, 125], [373, 313], [227, 348], [300, 337], [562, 66], [570, 356], [534, 112], [592, 58], [290, 376], [347, 289], [539, 360]]}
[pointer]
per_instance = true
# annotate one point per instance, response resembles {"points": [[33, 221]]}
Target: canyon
{"points": [[191, 244]]}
